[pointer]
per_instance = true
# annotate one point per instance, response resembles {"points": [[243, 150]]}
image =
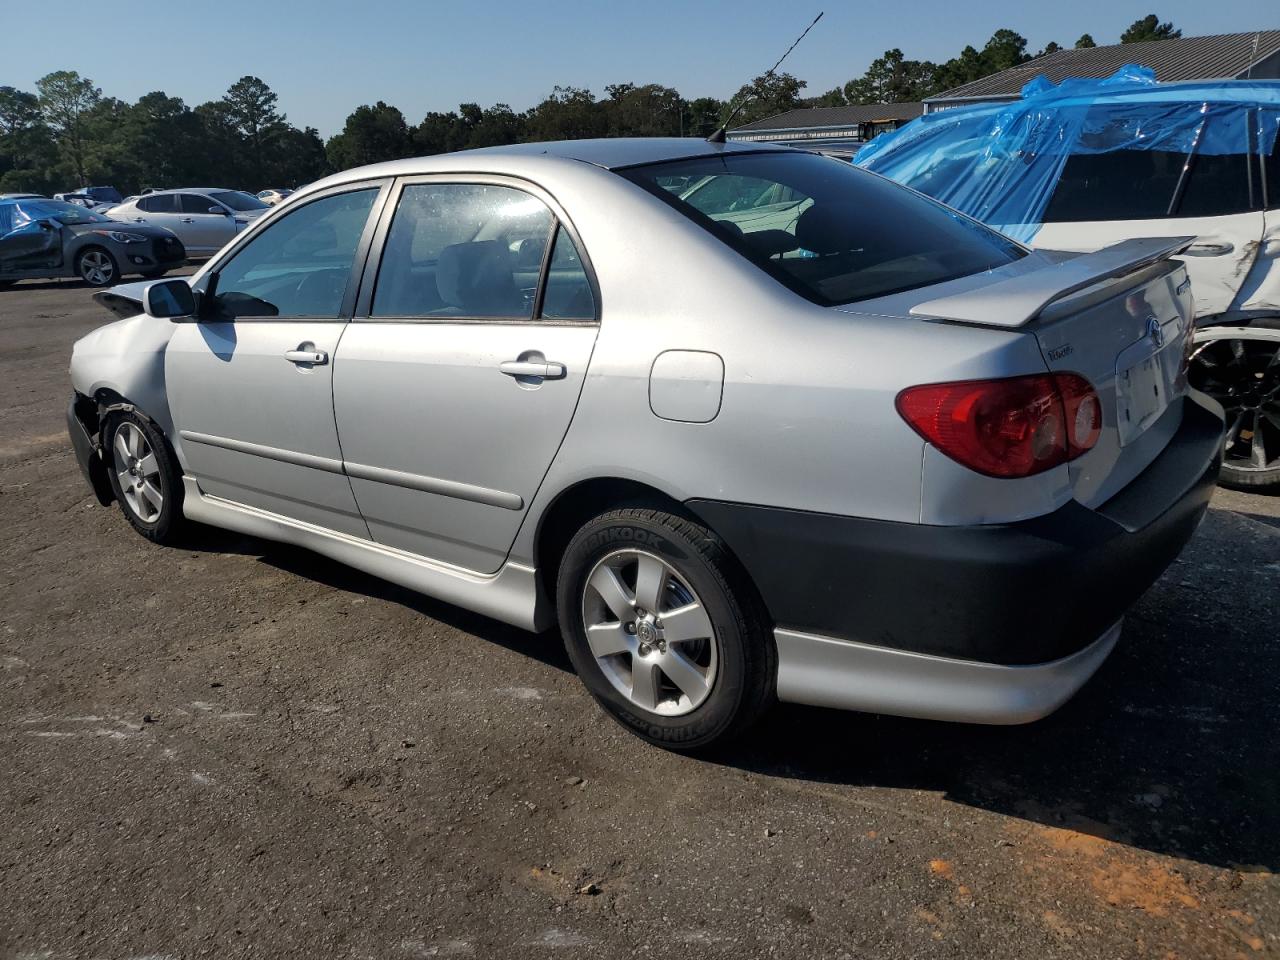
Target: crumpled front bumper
{"points": [[87, 455]]}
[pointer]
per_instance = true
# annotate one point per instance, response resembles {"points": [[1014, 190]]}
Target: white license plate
{"points": [[1141, 396]]}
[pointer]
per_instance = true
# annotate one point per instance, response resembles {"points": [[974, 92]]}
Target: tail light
{"points": [[1013, 427]]}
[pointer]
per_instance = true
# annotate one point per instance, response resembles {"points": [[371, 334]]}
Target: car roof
{"points": [[155, 193], [611, 154]]}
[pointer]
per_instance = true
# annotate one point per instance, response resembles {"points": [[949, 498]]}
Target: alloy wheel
{"points": [[1242, 372], [138, 472], [650, 634], [96, 268]]}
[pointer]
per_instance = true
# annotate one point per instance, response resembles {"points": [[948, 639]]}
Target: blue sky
{"points": [[324, 57]]}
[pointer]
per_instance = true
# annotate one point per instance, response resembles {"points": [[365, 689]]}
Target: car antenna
{"points": [[718, 136]]}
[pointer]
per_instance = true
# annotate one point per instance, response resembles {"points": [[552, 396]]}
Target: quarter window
{"points": [[300, 265], [463, 250], [568, 291]]}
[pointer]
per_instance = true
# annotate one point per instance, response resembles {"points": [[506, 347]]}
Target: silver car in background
{"points": [[747, 423], [204, 218]]}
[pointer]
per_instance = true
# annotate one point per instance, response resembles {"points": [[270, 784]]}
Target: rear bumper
{"points": [[1040, 592], [859, 676]]}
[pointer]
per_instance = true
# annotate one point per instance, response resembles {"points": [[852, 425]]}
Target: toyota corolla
{"points": [[748, 424]]}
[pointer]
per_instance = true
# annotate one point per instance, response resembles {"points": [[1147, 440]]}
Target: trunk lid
{"points": [[1121, 318]]}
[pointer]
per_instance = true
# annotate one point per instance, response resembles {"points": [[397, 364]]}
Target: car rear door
{"points": [[1105, 198], [459, 374], [250, 385], [161, 210]]}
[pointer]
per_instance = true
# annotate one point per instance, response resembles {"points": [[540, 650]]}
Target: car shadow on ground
{"points": [[546, 648], [1171, 748]]}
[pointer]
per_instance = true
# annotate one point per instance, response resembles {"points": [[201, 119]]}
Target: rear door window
{"points": [[159, 203], [463, 250], [831, 232]]}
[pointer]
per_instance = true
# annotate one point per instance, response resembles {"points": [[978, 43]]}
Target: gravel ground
{"points": [[241, 749]]}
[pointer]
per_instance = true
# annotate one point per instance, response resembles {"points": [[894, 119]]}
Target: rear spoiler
{"points": [[125, 300], [1017, 301]]}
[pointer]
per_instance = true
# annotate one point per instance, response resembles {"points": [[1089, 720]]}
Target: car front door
{"points": [[457, 378], [209, 231], [250, 383]]}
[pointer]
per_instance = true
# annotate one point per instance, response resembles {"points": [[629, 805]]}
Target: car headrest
{"points": [[731, 228], [828, 228], [476, 277], [770, 243]]}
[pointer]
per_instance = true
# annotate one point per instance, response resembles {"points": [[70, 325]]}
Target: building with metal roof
{"points": [[1225, 56], [828, 129]]}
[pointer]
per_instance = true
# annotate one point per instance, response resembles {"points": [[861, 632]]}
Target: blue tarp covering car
{"points": [[1002, 163]]}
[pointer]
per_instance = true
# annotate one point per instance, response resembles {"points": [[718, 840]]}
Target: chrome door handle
{"points": [[543, 369], [139, 220], [185, 220], [1210, 249], [306, 356]]}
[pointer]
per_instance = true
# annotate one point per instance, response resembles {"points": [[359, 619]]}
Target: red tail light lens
{"points": [[1015, 427]]}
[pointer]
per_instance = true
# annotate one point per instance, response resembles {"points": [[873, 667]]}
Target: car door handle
{"points": [[139, 219], [306, 356], [185, 220], [1210, 249], [543, 369]]}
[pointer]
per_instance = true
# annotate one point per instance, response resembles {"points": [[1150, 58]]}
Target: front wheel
{"points": [[145, 477], [97, 267], [1240, 368], [664, 629]]}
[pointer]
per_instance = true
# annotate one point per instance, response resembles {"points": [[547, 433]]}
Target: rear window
{"points": [[832, 233]]}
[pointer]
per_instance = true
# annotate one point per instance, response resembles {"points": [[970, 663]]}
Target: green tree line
{"points": [[66, 134]]}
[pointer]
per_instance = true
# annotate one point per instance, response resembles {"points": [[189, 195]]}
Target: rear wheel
{"points": [[97, 267], [1240, 368], [145, 477], [663, 628]]}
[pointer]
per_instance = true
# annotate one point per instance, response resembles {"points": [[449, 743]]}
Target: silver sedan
{"points": [[204, 218], [747, 423]]}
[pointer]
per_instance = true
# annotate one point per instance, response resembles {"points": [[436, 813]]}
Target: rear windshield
{"points": [[829, 231]]}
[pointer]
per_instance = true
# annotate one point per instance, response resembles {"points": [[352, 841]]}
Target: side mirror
{"points": [[225, 213], [169, 300]]}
